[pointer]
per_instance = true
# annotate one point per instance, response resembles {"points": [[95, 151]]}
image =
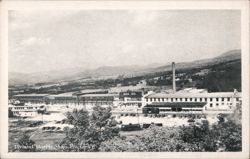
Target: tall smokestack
{"points": [[173, 69]]}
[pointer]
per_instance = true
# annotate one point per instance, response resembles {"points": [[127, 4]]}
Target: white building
{"points": [[26, 110], [200, 102]]}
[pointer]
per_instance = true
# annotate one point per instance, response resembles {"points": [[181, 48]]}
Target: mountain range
{"points": [[79, 73]]}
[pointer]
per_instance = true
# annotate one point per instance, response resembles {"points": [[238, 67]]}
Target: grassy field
{"points": [[44, 140], [16, 128], [48, 141]]}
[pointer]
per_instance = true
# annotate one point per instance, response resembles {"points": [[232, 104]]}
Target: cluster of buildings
{"points": [[146, 101], [85, 98]]}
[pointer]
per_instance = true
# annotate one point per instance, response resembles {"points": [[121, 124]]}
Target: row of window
{"points": [[98, 98], [92, 103], [217, 104], [189, 99], [185, 110], [21, 108], [33, 101], [97, 102], [129, 93]]}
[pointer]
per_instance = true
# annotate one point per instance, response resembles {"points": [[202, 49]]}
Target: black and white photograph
{"points": [[126, 80]]}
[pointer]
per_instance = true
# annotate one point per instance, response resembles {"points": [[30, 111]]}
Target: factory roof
{"points": [[135, 90], [177, 104], [198, 95], [68, 94], [129, 88], [98, 95], [87, 91], [31, 95]]}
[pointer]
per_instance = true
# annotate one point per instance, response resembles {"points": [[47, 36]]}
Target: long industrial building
{"points": [[191, 102]]}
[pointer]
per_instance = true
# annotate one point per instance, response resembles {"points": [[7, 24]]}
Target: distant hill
{"points": [[115, 71], [225, 57], [223, 77]]}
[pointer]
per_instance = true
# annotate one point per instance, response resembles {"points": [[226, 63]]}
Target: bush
{"points": [[26, 144], [153, 139], [63, 121], [190, 120]]}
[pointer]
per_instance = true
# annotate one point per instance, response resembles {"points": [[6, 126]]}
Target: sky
{"points": [[46, 40]]}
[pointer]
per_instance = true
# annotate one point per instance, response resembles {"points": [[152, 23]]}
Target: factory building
{"points": [[91, 100], [91, 91], [191, 102], [67, 99], [31, 98], [26, 110], [131, 98]]}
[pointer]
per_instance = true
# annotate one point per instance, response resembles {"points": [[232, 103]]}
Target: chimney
{"points": [[173, 69]]}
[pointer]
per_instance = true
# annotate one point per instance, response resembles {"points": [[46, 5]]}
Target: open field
{"points": [[43, 140], [48, 117], [16, 128], [166, 121]]}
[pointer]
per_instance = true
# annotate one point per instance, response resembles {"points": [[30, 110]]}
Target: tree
{"points": [[10, 113], [228, 135], [122, 144], [153, 139], [90, 129], [199, 136], [229, 131], [26, 144], [236, 116], [42, 112]]}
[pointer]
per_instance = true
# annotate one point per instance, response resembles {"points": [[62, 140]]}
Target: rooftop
{"points": [[188, 95], [98, 95], [31, 95], [67, 94], [177, 104], [86, 91]]}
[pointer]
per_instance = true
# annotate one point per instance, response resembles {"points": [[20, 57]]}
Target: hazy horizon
{"points": [[87, 69], [41, 41]]}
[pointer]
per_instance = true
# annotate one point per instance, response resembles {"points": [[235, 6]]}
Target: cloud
{"points": [[29, 19], [35, 41]]}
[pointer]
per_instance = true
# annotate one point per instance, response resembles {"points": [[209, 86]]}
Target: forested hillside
{"points": [[223, 77]]}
